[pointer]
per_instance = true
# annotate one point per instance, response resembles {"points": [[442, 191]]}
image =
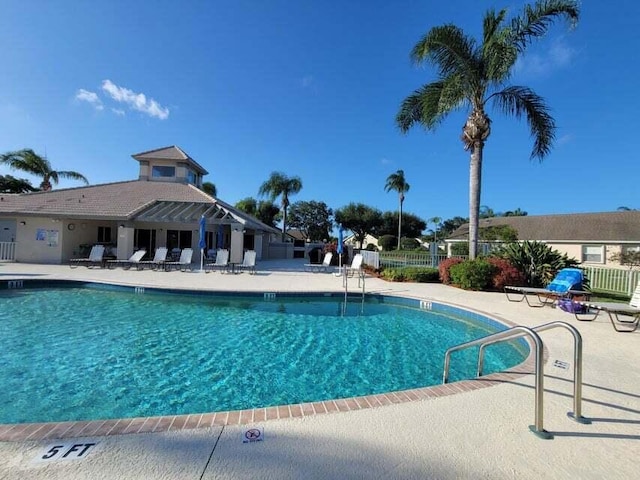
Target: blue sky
{"points": [[311, 88]]}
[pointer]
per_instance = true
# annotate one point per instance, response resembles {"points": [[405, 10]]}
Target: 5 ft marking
{"points": [[66, 451]]}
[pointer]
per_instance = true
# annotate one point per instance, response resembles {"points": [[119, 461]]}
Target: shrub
{"points": [[411, 274], [409, 243], [460, 248], [537, 261], [472, 274], [445, 266], [388, 242], [505, 274], [371, 247]]}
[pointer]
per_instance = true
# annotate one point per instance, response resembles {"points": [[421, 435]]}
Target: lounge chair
{"points": [[127, 264], [566, 284], [248, 262], [222, 261], [158, 261], [320, 267], [183, 263], [94, 258], [614, 311], [356, 266]]}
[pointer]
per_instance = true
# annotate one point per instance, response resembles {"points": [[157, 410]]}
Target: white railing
{"points": [[371, 258], [409, 259], [612, 280], [7, 251]]}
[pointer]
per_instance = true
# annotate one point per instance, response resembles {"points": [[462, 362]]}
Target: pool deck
{"points": [[473, 433]]}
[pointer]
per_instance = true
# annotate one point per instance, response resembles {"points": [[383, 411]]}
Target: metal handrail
{"points": [[514, 332], [577, 365]]}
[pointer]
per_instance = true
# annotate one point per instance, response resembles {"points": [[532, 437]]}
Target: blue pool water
{"points": [[86, 353]]}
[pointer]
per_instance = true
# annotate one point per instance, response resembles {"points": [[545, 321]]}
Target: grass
{"points": [[609, 297]]}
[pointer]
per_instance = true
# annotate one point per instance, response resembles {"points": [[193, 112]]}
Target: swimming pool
{"points": [[101, 352]]}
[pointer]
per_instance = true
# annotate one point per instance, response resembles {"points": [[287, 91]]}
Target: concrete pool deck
{"points": [[473, 434]]}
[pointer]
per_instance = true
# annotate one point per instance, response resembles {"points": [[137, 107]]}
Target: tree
{"points": [[28, 161], [9, 184], [265, 211], [412, 224], [312, 218], [518, 212], [437, 222], [210, 189], [397, 182], [470, 73], [360, 219], [279, 185]]}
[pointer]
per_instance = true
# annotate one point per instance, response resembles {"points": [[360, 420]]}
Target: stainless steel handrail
{"points": [[514, 332], [577, 365]]}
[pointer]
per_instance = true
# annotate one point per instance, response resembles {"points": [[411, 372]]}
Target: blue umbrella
{"points": [[202, 243], [339, 249]]}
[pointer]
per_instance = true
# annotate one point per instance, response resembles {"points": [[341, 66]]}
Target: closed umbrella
{"points": [[202, 243], [339, 249]]}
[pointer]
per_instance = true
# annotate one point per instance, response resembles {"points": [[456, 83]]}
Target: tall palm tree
{"points": [[470, 73], [279, 185], [397, 182], [437, 221], [28, 161]]}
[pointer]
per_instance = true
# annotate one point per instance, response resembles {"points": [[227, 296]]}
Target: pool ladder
{"points": [[520, 331], [345, 284]]}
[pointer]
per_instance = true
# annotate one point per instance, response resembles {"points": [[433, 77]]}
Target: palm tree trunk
{"points": [[400, 222], [284, 222], [475, 181]]}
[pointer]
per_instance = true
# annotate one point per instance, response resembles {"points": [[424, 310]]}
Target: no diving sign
{"points": [[252, 435]]}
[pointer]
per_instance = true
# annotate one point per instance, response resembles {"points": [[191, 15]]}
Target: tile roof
{"points": [[586, 227]]}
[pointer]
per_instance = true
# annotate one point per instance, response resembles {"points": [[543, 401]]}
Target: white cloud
{"points": [[385, 161], [136, 101], [558, 56], [89, 97], [118, 111]]}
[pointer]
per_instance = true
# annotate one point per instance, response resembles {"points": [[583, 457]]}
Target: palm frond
{"points": [[449, 49], [498, 52], [429, 104], [519, 101], [536, 20], [71, 175]]}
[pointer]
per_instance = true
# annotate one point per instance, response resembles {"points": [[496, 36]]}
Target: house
{"points": [[591, 238], [368, 239], [162, 208]]}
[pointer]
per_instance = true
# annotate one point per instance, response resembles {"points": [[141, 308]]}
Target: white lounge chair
{"points": [[614, 311], [356, 266], [222, 261], [158, 261], [248, 262], [566, 284], [183, 263], [94, 258], [320, 267], [127, 264]]}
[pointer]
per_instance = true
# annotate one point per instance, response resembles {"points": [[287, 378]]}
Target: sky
{"points": [[311, 88]]}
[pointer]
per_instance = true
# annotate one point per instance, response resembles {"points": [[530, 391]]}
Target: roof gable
{"points": [[172, 153]]}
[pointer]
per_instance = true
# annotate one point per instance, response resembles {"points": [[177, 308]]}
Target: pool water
{"points": [[88, 354]]}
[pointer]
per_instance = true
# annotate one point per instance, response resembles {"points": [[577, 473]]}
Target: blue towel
{"points": [[566, 279]]}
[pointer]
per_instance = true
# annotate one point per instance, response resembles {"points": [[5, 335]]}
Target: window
{"points": [[160, 171], [104, 234], [593, 253], [191, 177]]}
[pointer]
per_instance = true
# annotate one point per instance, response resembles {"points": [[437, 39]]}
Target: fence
{"points": [[612, 280], [409, 259], [7, 251]]}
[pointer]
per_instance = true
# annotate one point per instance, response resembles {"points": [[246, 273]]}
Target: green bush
{"points": [[388, 242], [473, 274], [537, 261], [411, 274], [460, 248], [409, 243], [371, 247], [445, 267]]}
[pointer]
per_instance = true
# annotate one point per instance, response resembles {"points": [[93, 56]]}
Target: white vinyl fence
{"points": [[612, 280]]}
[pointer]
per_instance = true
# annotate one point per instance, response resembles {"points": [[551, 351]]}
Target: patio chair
{"points": [[158, 261], [614, 311], [320, 267], [222, 261], [248, 262], [183, 263], [566, 284], [128, 263], [356, 266], [94, 258]]}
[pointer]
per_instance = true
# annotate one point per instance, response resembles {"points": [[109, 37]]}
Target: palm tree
{"points": [[397, 182], [9, 184], [471, 73], [279, 185], [437, 221], [28, 161]]}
